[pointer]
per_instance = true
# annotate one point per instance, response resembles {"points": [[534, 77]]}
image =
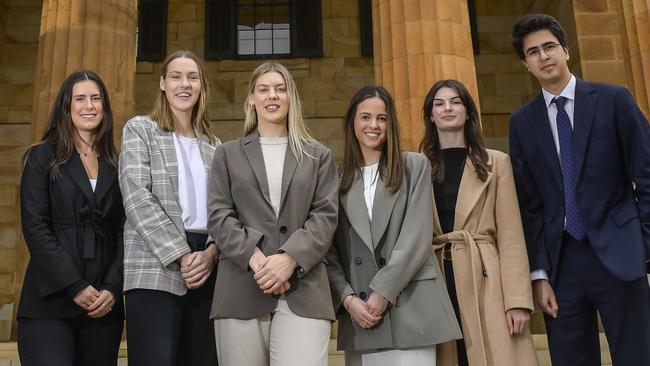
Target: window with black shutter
{"points": [[365, 19], [253, 29], [152, 30]]}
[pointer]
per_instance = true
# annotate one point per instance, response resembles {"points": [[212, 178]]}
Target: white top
{"points": [[568, 92], [93, 183], [274, 150], [192, 184], [370, 174]]}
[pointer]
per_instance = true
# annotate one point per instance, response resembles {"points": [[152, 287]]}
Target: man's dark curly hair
{"points": [[532, 23]]}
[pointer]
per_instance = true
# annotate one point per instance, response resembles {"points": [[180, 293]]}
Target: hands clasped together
{"points": [[196, 267], [95, 303], [272, 273], [366, 313]]}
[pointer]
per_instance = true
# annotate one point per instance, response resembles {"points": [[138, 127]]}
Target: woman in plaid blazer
{"points": [[168, 256]]}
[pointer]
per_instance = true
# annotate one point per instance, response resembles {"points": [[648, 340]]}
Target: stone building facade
{"points": [[416, 42]]}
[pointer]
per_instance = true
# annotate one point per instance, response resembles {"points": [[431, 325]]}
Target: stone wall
{"points": [[325, 84], [19, 27]]}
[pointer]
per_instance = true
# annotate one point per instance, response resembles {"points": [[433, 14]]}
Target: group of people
{"points": [[243, 253]]}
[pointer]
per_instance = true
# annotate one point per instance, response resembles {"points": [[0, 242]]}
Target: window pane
{"points": [[245, 42]]}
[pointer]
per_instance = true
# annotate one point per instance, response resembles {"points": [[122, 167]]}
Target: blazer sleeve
{"points": [[530, 201], [339, 285], [54, 268], [309, 244], [114, 276], [142, 208], [235, 240], [515, 273], [634, 133], [413, 245]]}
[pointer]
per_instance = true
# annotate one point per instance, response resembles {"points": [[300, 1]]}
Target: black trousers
{"points": [[585, 287], [78, 341], [164, 329]]}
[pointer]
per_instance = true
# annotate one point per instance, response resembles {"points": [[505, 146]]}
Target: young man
{"points": [[581, 158]]}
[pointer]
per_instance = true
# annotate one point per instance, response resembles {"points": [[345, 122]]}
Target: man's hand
{"points": [[544, 297]]}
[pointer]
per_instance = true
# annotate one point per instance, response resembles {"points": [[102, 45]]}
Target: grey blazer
{"points": [[154, 237], [240, 218], [391, 254]]}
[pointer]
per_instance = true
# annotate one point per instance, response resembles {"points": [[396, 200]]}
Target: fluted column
{"points": [[416, 43], [635, 16], [92, 34]]}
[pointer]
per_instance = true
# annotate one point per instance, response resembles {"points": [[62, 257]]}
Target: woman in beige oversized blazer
{"points": [[392, 304], [272, 202], [478, 235]]}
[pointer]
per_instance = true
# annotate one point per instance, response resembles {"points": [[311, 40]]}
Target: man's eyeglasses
{"points": [[535, 54]]}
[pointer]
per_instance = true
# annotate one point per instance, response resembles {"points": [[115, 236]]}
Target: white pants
{"points": [[279, 339], [423, 356]]}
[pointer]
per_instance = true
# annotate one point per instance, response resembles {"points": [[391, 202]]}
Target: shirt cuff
{"points": [[539, 274]]}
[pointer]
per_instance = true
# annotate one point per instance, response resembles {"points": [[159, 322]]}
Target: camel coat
{"points": [[490, 267]]}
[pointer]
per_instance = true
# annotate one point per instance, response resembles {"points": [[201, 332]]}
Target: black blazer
{"points": [[74, 235]]}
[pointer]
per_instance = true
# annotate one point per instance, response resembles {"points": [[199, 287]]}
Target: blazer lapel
{"points": [[470, 190], [382, 209], [354, 206], [253, 151], [540, 125], [166, 146], [76, 170], [583, 118], [105, 179], [290, 165]]}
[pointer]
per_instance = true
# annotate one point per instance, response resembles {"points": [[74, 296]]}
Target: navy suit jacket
{"points": [[611, 156]]}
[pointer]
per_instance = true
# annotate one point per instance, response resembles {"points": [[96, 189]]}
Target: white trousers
{"points": [[279, 339], [423, 356]]}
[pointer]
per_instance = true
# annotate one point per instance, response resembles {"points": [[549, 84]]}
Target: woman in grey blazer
{"points": [[272, 203], [393, 307], [168, 256]]}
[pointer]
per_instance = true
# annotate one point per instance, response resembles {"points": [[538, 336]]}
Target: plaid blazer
{"points": [[154, 237]]}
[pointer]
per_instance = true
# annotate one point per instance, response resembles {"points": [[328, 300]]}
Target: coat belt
{"points": [[468, 298]]}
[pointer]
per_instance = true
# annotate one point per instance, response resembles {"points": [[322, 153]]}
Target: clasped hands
{"points": [[95, 303], [272, 273], [196, 267], [366, 313]]}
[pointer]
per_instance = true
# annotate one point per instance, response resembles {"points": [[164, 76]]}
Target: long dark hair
{"points": [[430, 145], [60, 129], [391, 165]]}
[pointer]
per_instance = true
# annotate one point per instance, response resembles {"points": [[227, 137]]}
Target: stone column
{"points": [[635, 17], [92, 34], [416, 43]]}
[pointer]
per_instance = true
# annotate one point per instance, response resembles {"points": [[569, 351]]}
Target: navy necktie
{"points": [[574, 223]]}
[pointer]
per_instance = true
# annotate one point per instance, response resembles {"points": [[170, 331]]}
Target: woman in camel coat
{"points": [[478, 235]]}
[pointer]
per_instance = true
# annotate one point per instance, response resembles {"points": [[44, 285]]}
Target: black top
{"points": [[446, 193]]}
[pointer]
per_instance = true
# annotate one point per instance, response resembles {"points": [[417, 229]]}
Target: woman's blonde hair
{"points": [[162, 112], [296, 129]]}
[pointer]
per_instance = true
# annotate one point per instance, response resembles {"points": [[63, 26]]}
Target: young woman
{"points": [[393, 308], [478, 234], [70, 310], [169, 258], [272, 205]]}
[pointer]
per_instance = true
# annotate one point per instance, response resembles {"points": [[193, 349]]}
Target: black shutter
{"points": [[219, 29], [152, 30], [365, 19], [306, 28], [473, 25]]}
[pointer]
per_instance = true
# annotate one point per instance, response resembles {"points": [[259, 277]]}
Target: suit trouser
{"points": [[583, 287], [279, 339], [164, 329], [66, 342]]}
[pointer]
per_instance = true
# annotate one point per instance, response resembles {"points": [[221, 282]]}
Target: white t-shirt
{"points": [[192, 184]]}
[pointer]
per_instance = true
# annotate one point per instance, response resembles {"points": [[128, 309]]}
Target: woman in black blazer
{"points": [[70, 310]]}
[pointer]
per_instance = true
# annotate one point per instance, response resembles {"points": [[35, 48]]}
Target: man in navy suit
{"points": [[580, 153]]}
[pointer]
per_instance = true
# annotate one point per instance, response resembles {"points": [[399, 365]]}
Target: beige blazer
{"points": [[154, 235], [391, 254], [240, 218], [490, 267]]}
